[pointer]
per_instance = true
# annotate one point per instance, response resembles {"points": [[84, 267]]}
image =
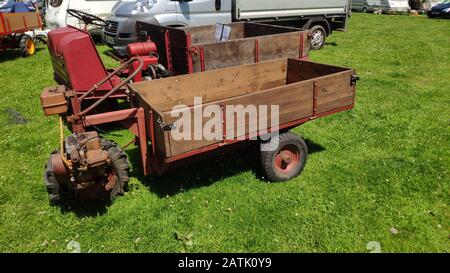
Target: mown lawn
{"points": [[383, 165]]}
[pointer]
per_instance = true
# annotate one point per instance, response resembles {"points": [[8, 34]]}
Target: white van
{"points": [[56, 15], [381, 5], [320, 17]]}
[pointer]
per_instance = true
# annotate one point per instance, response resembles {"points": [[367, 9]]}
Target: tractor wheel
{"points": [[286, 160], [59, 192], [318, 37], [27, 45], [120, 166], [51, 183]]}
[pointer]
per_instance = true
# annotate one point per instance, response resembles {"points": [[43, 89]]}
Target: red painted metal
{"points": [[224, 125], [168, 50], [302, 46], [315, 94], [141, 48], [202, 59], [152, 132], [111, 117], [287, 159], [189, 51], [256, 50], [75, 59]]}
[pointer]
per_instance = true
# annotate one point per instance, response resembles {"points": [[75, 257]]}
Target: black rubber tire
{"points": [[364, 10], [23, 44], [119, 161], [51, 184], [314, 29], [268, 158]]}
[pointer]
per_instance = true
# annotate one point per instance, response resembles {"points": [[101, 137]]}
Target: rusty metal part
{"points": [[67, 162], [58, 166], [53, 100], [287, 159], [95, 158], [112, 180], [112, 91]]}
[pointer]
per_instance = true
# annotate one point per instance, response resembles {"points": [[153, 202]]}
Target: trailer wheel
{"points": [[27, 45], [287, 160], [318, 37]]}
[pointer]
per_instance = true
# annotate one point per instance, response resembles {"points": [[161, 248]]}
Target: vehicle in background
{"points": [[14, 28], [385, 6], [423, 5], [56, 13], [441, 10], [321, 17], [6, 5]]}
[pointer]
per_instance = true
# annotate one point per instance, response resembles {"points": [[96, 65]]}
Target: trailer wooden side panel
{"points": [[195, 49], [238, 93], [222, 55], [19, 22], [281, 46]]}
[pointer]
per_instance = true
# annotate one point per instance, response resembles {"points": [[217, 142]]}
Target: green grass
{"points": [[384, 164]]}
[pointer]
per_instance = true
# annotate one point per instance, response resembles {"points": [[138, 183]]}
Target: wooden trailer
{"points": [[303, 91], [90, 167], [197, 49], [12, 31]]}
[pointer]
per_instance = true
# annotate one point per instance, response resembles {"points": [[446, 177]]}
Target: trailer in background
{"points": [[321, 18], [13, 28], [196, 49]]}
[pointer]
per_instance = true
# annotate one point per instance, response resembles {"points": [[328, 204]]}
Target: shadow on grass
{"points": [[331, 44], [12, 54], [84, 210], [204, 173], [200, 173]]}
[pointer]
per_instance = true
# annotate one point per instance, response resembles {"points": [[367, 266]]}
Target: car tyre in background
{"points": [[318, 37]]}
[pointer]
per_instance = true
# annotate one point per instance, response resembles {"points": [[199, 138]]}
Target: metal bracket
{"points": [[354, 79], [166, 127]]}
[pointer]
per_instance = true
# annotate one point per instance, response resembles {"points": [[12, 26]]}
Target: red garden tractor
{"points": [[77, 64]]}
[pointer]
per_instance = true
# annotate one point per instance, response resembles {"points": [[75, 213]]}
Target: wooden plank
{"points": [[279, 46], [206, 34], [303, 70], [295, 102], [21, 22], [212, 85], [227, 54], [178, 147], [335, 91]]}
